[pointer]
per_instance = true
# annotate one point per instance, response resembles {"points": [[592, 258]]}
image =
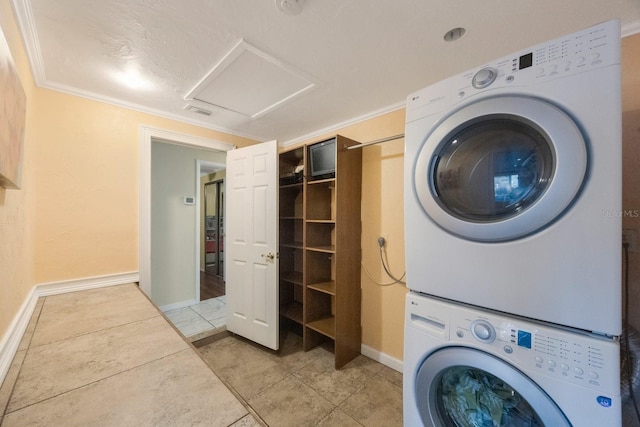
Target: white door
{"points": [[252, 243]]}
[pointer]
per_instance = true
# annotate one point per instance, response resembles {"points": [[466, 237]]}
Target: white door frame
{"points": [[147, 135]]}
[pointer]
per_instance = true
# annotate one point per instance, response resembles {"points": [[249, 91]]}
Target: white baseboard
{"points": [[383, 358], [55, 288], [11, 339], [176, 305]]}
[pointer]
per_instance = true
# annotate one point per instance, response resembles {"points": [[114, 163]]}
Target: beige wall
{"points": [[16, 269], [382, 214], [631, 164], [77, 214]]}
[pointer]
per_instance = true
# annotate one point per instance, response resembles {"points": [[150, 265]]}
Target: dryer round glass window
{"points": [[492, 169], [501, 168], [458, 386]]}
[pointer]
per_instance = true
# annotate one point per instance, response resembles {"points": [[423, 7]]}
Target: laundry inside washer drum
{"points": [[630, 364], [474, 398]]}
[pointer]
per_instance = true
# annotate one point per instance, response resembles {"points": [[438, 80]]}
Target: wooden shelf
{"points": [[294, 245], [292, 311], [295, 185], [326, 327], [320, 181], [320, 236], [294, 277], [326, 287], [326, 249]]}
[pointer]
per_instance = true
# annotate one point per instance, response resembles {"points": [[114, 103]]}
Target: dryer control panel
{"points": [[591, 48], [588, 360]]}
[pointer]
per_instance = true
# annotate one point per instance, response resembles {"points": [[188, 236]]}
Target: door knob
{"points": [[269, 257]]}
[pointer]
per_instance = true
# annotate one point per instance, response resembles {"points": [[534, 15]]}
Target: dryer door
{"points": [[500, 168], [458, 386]]}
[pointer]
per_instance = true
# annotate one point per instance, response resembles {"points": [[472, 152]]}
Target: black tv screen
{"points": [[322, 159]]}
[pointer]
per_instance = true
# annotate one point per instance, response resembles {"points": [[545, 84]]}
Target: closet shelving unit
{"points": [[320, 252]]}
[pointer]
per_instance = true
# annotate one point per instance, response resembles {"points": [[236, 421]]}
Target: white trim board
{"points": [[385, 359], [11, 340]]}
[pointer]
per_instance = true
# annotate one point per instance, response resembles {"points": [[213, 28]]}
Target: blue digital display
{"points": [[524, 339]]}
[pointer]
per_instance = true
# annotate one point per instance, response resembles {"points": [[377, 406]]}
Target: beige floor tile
{"points": [[337, 418], [291, 403], [65, 365], [10, 379], [76, 313], [291, 354], [247, 421], [377, 404], [177, 390], [336, 385], [248, 369], [392, 375]]}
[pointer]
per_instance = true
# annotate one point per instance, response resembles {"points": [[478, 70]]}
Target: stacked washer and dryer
{"points": [[513, 240]]}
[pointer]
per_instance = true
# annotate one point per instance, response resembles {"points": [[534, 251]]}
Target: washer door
{"points": [[462, 387], [500, 168]]}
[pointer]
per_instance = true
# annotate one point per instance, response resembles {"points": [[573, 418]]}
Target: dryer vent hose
{"points": [[630, 364]]}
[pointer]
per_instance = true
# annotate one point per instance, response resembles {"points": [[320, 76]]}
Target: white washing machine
{"points": [[473, 367], [513, 183]]}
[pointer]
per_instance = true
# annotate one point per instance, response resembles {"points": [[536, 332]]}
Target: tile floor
{"points": [[200, 320], [108, 357], [296, 388]]}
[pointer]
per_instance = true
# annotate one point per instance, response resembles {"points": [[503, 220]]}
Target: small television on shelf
{"points": [[322, 160]]}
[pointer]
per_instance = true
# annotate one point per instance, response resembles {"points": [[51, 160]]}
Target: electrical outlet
{"points": [[630, 237]]}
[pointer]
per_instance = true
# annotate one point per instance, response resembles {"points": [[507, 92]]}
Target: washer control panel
{"points": [[589, 360], [580, 359]]}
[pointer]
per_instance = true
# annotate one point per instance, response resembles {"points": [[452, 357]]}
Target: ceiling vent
{"points": [[251, 82], [197, 110]]}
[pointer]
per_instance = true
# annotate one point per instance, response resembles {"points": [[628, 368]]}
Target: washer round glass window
{"points": [[492, 169]]}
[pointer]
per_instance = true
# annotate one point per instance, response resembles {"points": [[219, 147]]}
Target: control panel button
{"points": [[551, 364], [483, 331], [578, 371], [564, 367], [594, 375], [459, 334], [508, 349], [539, 359], [484, 77]]}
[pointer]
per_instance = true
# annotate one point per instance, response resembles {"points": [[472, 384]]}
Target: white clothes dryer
{"points": [[513, 183], [472, 367]]}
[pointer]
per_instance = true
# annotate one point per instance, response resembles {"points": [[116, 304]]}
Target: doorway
{"points": [[212, 276]]}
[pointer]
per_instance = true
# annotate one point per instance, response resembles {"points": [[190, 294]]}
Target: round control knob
{"points": [[483, 331], [484, 77]]}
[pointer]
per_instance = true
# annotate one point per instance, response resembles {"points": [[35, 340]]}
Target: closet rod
{"points": [[378, 141]]}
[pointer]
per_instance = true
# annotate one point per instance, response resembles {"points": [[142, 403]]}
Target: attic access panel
{"points": [[250, 82]]}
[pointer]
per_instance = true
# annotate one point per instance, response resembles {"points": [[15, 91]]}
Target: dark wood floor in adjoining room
{"points": [[211, 286]]}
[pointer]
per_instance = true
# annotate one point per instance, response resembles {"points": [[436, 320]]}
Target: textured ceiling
{"points": [[364, 56]]}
